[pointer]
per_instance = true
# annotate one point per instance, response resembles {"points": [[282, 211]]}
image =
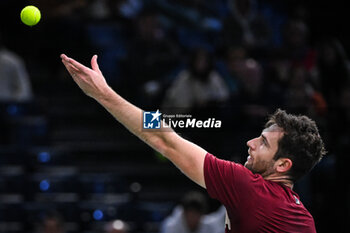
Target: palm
{"points": [[91, 81]]}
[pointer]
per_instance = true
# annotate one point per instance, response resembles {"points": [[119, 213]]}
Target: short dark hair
{"points": [[194, 200], [301, 142]]}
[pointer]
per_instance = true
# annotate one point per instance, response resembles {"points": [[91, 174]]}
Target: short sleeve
{"points": [[229, 182]]}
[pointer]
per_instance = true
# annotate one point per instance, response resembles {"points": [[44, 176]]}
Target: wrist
{"points": [[105, 95]]}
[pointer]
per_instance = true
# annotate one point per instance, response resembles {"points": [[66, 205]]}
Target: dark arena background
{"points": [[62, 154]]}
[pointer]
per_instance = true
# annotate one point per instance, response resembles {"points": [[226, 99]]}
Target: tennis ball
{"points": [[30, 15]]}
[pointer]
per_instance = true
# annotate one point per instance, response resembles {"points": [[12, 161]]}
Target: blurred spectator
{"points": [[98, 9], [332, 70], [52, 223], [190, 217], [152, 53], [197, 86], [296, 49], [114, 9], [295, 52], [193, 23], [198, 14], [301, 97], [117, 226], [245, 26], [130, 8], [249, 75], [291, 71], [15, 85]]}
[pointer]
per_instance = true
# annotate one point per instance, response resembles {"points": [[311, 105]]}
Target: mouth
{"points": [[249, 159], [249, 155]]}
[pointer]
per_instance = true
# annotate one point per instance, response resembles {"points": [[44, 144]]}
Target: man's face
{"points": [[52, 226], [262, 151], [192, 218]]}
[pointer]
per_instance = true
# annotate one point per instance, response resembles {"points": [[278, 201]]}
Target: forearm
{"points": [[131, 117], [188, 157]]}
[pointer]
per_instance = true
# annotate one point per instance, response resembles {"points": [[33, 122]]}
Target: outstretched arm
{"points": [[188, 157]]}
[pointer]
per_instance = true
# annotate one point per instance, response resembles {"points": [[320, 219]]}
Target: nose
{"points": [[251, 144]]}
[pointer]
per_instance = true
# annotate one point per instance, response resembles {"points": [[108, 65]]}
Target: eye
{"points": [[262, 141]]}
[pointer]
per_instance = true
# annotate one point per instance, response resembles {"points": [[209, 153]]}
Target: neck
{"points": [[283, 179]]}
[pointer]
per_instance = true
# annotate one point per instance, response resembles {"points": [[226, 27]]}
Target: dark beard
{"points": [[264, 173], [250, 167]]}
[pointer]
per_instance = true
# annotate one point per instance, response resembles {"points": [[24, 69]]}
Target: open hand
{"points": [[91, 81]]}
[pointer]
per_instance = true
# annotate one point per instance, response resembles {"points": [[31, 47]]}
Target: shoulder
{"points": [[10, 57], [183, 75], [228, 176], [215, 76], [239, 179], [174, 221], [182, 79]]}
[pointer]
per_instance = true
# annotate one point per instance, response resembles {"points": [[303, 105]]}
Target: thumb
{"points": [[94, 64]]}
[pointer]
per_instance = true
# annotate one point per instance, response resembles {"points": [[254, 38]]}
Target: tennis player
{"points": [[258, 196]]}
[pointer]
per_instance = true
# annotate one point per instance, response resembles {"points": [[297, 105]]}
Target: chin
{"points": [[247, 165], [250, 168]]}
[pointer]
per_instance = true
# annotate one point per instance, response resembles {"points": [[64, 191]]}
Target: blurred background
{"points": [[68, 166]]}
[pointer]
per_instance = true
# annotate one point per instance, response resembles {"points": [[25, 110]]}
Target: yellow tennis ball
{"points": [[30, 15]]}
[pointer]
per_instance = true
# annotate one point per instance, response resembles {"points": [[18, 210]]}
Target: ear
{"points": [[283, 165]]}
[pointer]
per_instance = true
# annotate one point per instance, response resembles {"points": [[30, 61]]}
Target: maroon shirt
{"points": [[252, 203]]}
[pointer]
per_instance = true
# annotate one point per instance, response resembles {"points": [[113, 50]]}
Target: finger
{"points": [[94, 64], [65, 59], [71, 69], [63, 56], [76, 74], [76, 64], [79, 66]]}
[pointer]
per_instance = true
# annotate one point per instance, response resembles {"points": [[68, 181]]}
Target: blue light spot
{"points": [[99, 187], [12, 110], [98, 215], [44, 185], [44, 157]]}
